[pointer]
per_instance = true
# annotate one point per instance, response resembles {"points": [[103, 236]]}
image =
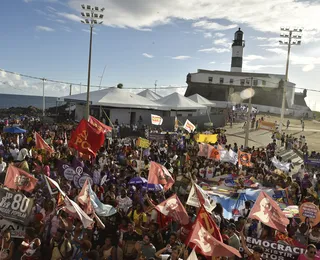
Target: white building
{"points": [[224, 87]]}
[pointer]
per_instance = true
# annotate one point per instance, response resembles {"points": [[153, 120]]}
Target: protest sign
{"points": [[264, 125], [15, 206], [16, 230], [275, 250], [309, 212], [143, 143], [312, 161], [203, 138]]}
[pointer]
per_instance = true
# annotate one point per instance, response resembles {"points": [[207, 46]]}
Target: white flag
{"points": [[279, 165], [198, 196], [156, 120], [193, 255], [189, 126], [228, 156]]}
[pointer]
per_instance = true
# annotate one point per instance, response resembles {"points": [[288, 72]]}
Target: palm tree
{"points": [[120, 85]]}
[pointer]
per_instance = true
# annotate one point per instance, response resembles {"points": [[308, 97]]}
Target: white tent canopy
{"points": [[149, 94], [175, 101], [115, 97], [201, 100]]}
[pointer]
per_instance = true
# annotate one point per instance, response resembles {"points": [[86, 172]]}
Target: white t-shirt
{"points": [[202, 172], [209, 174], [124, 203], [14, 153], [3, 166]]}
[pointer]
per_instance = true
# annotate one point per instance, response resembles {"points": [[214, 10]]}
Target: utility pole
{"points": [[43, 98], [293, 39], [70, 93], [90, 17], [155, 86], [246, 140], [101, 78]]}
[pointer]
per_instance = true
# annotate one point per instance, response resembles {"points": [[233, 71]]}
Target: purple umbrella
{"points": [[152, 187], [137, 180]]}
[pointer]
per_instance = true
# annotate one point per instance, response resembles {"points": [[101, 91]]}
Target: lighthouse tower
{"points": [[237, 51]]}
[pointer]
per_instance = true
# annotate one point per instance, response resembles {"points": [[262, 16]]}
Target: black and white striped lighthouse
{"points": [[237, 51]]}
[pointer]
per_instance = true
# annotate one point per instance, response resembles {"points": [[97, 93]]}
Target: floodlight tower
{"points": [[92, 15], [292, 37]]}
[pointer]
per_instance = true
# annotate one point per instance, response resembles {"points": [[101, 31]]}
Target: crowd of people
{"points": [[137, 230]]}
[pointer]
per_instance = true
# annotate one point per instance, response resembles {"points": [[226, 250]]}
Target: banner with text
{"points": [[15, 206], [16, 230], [276, 250]]}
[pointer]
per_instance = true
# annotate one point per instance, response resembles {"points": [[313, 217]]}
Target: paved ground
{"points": [[260, 138]]}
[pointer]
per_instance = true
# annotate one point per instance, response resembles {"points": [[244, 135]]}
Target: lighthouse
{"points": [[237, 51]]}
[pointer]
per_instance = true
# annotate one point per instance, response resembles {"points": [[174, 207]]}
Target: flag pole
{"points": [[107, 117], [140, 161]]}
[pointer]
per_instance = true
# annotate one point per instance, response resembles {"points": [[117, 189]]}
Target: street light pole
{"points": [[43, 98], [289, 34], [90, 17], [89, 74], [246, 140]]}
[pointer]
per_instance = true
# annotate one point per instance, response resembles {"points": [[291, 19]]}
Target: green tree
{"points": [[120, 85]]}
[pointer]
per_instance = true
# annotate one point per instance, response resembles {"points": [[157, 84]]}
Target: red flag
{"points": [[207, 245], [18, 179], [84, 198], [86, 138], [99, 125], [41, 144], [266, 210], [206, 220], [172, 207], [158, 174]]}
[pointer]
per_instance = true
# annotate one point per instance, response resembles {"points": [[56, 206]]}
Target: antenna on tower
{"points": [[155, 86]]}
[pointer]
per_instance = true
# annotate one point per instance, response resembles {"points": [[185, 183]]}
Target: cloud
{"points": [[44, 28], [69, 16], [249, 67], [225, 42], [218, 34], [144, 29], [253, 57], [214, 49], [181, 57], [277, 50], [207, 25], [88, 31], [27, 1], [308, 67], [212, 62], [147, 55], [66, 29], [207, 35]]}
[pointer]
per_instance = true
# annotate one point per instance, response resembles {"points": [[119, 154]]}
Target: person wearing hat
{"points": [[233, 240]]}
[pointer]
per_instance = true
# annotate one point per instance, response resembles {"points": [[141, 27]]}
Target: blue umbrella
{"points": [[137, 180], [153, 187], [14, 130]]}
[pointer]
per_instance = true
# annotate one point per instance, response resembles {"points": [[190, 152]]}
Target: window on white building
{"points": [[242, 81], [264, 82], [255, 82], [210, 79], [231, 81], [247, 81], [221, 80]]}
